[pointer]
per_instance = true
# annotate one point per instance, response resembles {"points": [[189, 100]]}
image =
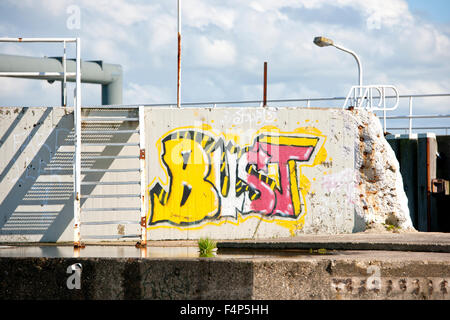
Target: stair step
{"points": [[101, 119], [98, 223], [99, 196], [112, 209], [108, 183]]}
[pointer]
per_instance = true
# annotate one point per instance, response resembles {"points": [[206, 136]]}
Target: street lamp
{"points": [[325, 42]]}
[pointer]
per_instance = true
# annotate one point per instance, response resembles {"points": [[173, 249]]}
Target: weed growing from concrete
{"points": [[206, 247]]}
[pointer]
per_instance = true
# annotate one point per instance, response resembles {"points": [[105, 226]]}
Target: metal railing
{"points": [[64, 75], [77, 113], [315, 102], [381, 106]]}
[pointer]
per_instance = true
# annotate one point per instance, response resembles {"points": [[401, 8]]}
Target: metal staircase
{"points": [[112, 175]]}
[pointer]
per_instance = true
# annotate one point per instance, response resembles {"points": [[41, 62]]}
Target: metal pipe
{"points": [[77, 162], [179, 55], [6, 39], [63, 84], [410, 115], [52, 69], [143, 176], [428, 185], [212, 103], [424, 116], [358, 61], [265, 85]]}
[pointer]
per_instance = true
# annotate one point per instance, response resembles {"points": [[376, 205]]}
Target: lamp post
{"points": [[324, 42]]}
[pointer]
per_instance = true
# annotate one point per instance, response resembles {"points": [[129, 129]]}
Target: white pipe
{"points": [[64, 87], [358, 61], [410, 115], [36, 74], [77, 163], [38, 39]]}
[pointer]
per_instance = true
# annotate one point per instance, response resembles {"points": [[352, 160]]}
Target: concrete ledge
{"points": [[412, 241], [349, 275]]}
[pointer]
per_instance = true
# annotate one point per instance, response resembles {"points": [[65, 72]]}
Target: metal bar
{"points": [[101, 196], [77, 156], [110, 143], [63, 85], [410, 114], [179, 55], [111, 170], [384, 107], [358, 61], [421, 128], [257, 101], [99, 223], [108, 183], [86, 157], [112, 209], [36, 74], [428, 184], [5, 39], [430, 116], [111, 236], [143, 177], [108, 131], [108, 119], [265, 85]]}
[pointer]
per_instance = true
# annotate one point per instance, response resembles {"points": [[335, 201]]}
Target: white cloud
{"points": [[215, 53], [225, 43], [136, 93], [201, 14]]}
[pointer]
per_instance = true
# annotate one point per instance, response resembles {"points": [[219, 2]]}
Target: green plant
{"points": [[391, 227], [206, 247]]}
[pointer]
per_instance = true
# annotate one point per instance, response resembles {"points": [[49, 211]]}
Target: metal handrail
{"points": [[366, 97], [77, 115], [257, 102], [308, 101]]}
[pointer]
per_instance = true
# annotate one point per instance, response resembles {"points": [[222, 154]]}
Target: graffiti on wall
{"points": [[210, 176]]}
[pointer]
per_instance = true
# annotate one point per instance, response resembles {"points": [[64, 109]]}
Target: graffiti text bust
{"points": [[211, 177]]}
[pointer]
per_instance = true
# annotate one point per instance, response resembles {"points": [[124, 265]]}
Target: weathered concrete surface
{"points": [[380, 196], [350, 180], [346, 275], [411, 241], [225, 173], [354, 275]]}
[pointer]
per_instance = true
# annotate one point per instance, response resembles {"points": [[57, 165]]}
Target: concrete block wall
{"points": [[227, 173]]}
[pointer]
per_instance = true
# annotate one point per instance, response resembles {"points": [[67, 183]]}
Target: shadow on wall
{"points": [[39, 201], [36, 173]]}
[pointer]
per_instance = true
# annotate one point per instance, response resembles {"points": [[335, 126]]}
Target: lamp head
{"points": [[323, 42]]}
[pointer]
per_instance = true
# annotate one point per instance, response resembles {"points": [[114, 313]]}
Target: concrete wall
{"points": [[224, 173], [252, 172], [36, 182], [382, 276]]}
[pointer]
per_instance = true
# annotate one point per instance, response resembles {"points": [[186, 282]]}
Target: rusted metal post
{"points": [[143, 241], [265, 85], [179, 55], [77, 155]]}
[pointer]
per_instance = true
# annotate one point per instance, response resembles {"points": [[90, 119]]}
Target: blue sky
{"points": [[435, 10], [225, 43]]}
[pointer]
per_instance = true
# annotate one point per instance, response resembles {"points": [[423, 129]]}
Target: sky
{"points": [[405, 43]]}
